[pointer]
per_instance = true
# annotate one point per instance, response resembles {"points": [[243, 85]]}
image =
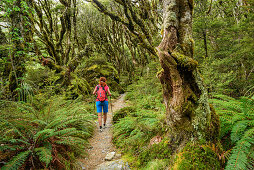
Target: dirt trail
{"points": [[101, 142]]}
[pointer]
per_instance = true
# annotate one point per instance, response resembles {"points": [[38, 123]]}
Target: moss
{"points": [[161, 150], [78, 86], [171, 16], [156, 164], [196, 156], [192, 46], [93, 67], [202, 113], [159, 72], [185, 61], [213, 130]]}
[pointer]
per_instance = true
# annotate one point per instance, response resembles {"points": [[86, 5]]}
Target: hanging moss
{"points": [[196, 156]]}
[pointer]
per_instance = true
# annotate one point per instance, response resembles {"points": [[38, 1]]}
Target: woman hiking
{"points": [[102, 90]]}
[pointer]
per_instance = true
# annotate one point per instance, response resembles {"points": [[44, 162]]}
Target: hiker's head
{"points": [[103, 81]]}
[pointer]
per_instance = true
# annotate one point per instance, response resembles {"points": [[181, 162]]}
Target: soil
{"points": [[101, 142]]}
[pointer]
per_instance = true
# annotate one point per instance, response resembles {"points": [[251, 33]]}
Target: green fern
{"points": [[17, 161], [237, 118], [45, 154], [242, 154], [37, 141]]}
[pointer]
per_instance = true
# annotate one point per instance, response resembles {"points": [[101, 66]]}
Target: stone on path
{"points": [[114, 165], [110, 156], [117, 156]]}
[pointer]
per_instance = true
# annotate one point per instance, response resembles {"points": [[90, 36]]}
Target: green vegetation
{"points": [[237, 129], [195, 156], [52, 54], [52, 137]]}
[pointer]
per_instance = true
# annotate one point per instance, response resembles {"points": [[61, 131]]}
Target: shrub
{"points": [[52, 139]]}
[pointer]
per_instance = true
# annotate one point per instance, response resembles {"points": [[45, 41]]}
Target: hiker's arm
{"points": [[109, 92], [95, 90]]}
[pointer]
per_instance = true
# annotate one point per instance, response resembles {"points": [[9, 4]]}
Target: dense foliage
{"points": [[52, 53], [136, 125], [237, 129], [51, 136]]}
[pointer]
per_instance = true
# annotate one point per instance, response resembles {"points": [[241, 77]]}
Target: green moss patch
{"points": [[196, 157]]}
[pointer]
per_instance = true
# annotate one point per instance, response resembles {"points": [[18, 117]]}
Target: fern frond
{"points": [[44, 154], [241, 154], [56, 122], [39, 122], [17, 161], [238, 131], [12, 128], [6, 147], [16, 141], [42, 135], [73, 141]]}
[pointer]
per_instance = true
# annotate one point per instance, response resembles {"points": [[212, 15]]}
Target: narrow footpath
{"points": [[101, 142]]}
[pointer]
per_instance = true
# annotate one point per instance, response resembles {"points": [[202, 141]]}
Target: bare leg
{"points": [[105, 118], [100, 119]]}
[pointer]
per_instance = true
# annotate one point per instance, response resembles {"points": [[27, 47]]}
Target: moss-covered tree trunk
{"points": [[17, 53], [187, 108]]}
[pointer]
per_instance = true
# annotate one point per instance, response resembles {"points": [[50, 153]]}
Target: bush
{"points": [[53, 138]]}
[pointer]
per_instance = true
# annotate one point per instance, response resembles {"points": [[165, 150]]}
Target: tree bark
{"points": [[205, 43], [187, 109]]}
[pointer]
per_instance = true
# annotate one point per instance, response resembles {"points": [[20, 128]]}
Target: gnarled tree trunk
{"points": [[187, 108]]}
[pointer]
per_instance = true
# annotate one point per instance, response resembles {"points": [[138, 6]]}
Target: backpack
{"points": [[101, 93]]}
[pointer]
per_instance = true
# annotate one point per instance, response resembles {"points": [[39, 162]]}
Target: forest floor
{"points": [[101, 142]]}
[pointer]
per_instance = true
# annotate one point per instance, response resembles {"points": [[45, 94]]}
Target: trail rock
{"points": [[110, 156], [117, 156], [114, 165]]}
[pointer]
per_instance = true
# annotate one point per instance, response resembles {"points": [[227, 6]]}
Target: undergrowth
{"points": [[52, 135], [136, 125], [237, 129]]}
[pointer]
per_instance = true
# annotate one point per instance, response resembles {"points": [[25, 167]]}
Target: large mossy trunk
{"points": [[187, 108]]}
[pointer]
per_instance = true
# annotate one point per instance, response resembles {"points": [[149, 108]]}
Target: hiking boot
{"points": [[104, 126], [100, 130]]}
